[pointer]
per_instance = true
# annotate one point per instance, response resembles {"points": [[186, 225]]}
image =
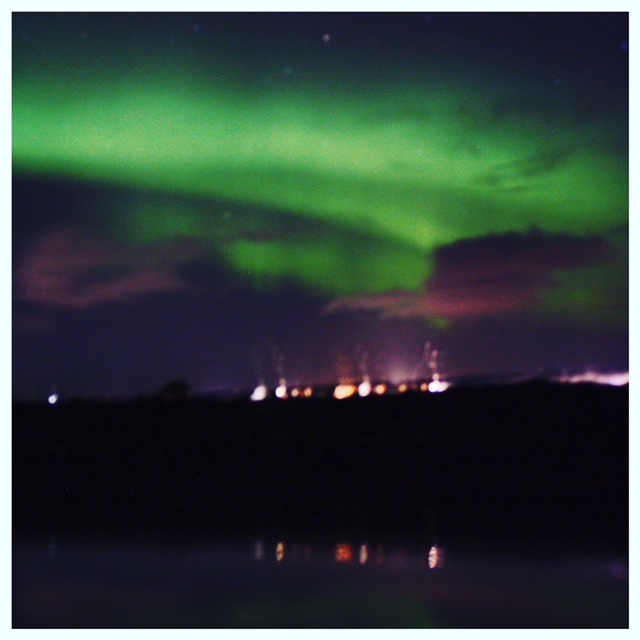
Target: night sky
{"points": [[234, 198]]}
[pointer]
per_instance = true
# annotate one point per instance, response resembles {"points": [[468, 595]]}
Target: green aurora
{"points": [[346, 186]]}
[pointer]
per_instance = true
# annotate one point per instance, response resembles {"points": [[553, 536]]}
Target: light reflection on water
{"points": [[289, 582], [431, 557]]}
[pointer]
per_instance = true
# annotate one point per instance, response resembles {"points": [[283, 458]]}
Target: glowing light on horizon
{"points": [[53, 398], [259, 393], [364, 388], [363, 555], [402, 387], [259, 550], [437, 386], [615, 379], [280, 551], [343, 391], [380, 389], [281, 390]]}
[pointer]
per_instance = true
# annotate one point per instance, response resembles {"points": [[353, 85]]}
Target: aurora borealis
{"points": [[193, 193]]}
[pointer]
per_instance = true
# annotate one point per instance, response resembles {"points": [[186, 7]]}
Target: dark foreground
{"points": [[152, 514]]}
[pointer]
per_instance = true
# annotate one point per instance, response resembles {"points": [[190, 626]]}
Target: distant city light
{"points": [[436, 386], [616, 379], [53, 398], [301, 392], [380, 389], [403, 387], [279, 551], [259, 393], [364, 388], [344, 391], [363, 556], [281, 390], [259, 550]]}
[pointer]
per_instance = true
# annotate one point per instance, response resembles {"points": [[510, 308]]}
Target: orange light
{"points": [[343, 391], [344, 553]]}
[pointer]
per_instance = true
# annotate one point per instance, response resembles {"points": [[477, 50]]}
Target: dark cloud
{"points": [[487, 276], [509, 252]]}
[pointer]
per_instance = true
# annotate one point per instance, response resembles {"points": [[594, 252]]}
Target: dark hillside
{"points": [[534, 460]]}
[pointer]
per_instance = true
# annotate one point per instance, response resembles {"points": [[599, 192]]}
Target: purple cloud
{"points": [[70, 269]]}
